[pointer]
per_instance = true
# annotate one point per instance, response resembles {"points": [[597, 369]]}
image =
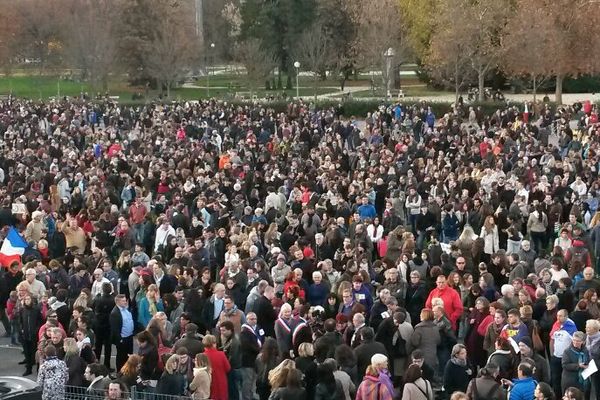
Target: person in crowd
{"points": [[561, 337], [171, 382], [543, 391], [121, 329], [267, 360], [293, 389], [426, 338], [360, 230], [457, 372], [201, 384], [53, 375], [220, 368], [485, 385], [523, 387], [415, 387], [30, 321], [75, 363], [98, 377], [574, 360]]}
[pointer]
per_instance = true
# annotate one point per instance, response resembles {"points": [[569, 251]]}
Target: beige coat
{"points": [[200, 385]]}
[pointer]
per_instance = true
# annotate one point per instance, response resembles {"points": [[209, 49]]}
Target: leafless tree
{"points": [[314, 51], [258, 61]]}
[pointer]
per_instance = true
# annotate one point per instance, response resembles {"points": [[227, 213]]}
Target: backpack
{"points": [[400, 347], [579, 254]]}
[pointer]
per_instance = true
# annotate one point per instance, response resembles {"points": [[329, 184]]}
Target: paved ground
{"points": [[10, 357]]}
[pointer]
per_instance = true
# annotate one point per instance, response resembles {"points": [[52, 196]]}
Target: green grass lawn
{"points": [[221, 86]]}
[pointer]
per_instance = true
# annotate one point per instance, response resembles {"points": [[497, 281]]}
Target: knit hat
{"points": [[526, 341]]}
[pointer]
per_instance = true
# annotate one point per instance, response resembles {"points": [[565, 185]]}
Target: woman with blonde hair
{"points": [[75, 363], [149, 305], [200, 385], [278, 375], [171, 382], [489, 234]]}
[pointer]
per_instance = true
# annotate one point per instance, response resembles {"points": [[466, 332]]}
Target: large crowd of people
{"points": [[235, 252]]}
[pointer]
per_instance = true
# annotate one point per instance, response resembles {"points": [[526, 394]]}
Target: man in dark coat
{"points": [[121, 330], [191, 341], [330, 340], [367, 349], [265, 313], [103, 305]]}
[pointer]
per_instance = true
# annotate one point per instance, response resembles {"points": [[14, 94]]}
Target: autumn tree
{"points": [[476, 27], [91, 38], [40, 34], [448, 59], [557, 36], [159, 40], [9, 33], [527, 45], [418, 18]]}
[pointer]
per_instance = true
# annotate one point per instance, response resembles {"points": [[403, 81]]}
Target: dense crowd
{"points": [[232, 252]]}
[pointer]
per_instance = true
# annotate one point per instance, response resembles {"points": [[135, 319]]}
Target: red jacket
{"points": [[452, 303], [220, 368]]}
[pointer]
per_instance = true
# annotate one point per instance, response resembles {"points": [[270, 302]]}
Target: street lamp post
{"points": [[297, 66], [212, 46], [389, 58]]}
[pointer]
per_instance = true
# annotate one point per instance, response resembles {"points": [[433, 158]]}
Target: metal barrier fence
{"points": [[132, 393]]}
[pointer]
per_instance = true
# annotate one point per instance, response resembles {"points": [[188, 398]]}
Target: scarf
{"points": [[459, 362], [592, 340]]}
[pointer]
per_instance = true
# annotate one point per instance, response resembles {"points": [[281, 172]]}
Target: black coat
{"points": [[103, 306], [265, 315], [167, 284], [364, 352], [76, 366], [329, 341], [31, 320], [250, 348], [171, 384], [116, 323], [456, 377], [415, 301]]}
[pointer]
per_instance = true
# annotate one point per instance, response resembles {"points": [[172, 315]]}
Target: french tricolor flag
{"points": [[12, 248]]}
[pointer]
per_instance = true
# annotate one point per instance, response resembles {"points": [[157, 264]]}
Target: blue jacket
{"points": [[366, 211], [144, 315], [363, 296], [522, 389]]}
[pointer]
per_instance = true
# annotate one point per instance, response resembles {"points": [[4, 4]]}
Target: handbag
{"points": [[538, 345], [162, 350]]}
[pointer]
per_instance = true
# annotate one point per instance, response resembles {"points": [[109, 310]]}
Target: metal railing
{"points": [[132, 393]]}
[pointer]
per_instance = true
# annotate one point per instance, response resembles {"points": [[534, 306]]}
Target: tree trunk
{"points": [[534, 88], [559, 89], [168, 89], [456, 83], [480, 84], [315, 86]]}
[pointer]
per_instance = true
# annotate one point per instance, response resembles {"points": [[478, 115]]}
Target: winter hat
{"points": [[526, 341]]}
